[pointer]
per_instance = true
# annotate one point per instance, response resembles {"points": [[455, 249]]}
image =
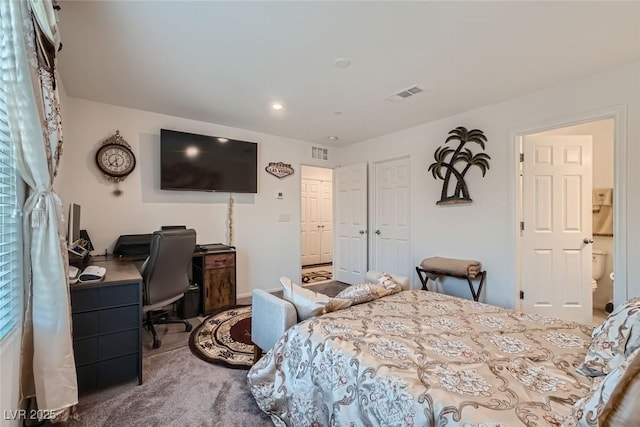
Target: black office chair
{"points": [[165, 275]]}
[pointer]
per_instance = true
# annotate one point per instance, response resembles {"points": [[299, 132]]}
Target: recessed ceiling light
{"points": [[223, 139], [333, 138], [342, 63], [276, 106]]}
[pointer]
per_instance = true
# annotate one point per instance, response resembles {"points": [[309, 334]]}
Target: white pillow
{"points": [[308, 303]]}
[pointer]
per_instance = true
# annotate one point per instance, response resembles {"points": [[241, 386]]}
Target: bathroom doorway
{"points": [[316, 219], [602, 205]]}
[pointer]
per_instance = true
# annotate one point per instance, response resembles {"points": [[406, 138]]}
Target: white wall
{"points": [[266, 248], [602, 132], [486, 229]]}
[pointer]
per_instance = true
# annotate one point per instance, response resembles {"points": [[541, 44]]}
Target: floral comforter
{"points": [[420, 358]]}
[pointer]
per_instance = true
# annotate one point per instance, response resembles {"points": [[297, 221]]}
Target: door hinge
{"points": [[521, 294], [522, 157], [521, 225]]}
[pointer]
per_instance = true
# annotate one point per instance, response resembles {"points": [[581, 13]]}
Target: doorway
{"points": [[316, 219], [566, 209]]}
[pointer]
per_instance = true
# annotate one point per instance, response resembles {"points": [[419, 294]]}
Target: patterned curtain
{"points": [[29, 44]]}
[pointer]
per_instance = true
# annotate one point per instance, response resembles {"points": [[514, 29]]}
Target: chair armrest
{"points": [[270, 318], [373, 276]]}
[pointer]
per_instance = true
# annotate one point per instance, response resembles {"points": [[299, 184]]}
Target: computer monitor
{"points": [[73, 232]]}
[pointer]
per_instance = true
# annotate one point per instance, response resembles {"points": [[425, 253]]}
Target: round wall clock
{"points": [[115, 158]]}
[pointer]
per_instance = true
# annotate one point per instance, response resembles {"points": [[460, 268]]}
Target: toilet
{"points": [[597, 269]]}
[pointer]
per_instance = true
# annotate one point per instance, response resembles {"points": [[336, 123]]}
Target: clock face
{"points": [[115, 160]]}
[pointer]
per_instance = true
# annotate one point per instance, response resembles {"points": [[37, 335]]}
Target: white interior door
{"points": [[326, 221], [392, 231], [556, 212], [310, 219], [350, 222]]}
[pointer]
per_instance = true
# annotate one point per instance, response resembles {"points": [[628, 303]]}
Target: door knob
{"points": [[378, 232], [361, 231], [587, 240]]}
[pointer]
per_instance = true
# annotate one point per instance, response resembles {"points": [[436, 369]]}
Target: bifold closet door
{"points": [[350, 222], [391, 238]]}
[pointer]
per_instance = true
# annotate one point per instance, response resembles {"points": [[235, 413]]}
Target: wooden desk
{"points": [[107, 315], [213, 270]]}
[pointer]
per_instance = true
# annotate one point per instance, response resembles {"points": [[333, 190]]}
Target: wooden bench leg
{"points": [[257, 353]]}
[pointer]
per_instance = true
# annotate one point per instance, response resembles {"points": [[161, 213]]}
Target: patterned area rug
{"points": [[224, 338], [316, 276]]}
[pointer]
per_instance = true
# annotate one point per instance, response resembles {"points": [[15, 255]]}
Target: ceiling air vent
{"points": [[320, 153], [404, 94]]}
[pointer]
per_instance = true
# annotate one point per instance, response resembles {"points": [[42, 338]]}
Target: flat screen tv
{"points": [[207, 163]]}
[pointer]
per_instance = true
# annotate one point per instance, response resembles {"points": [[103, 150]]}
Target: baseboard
{"points": [[248, 294]]}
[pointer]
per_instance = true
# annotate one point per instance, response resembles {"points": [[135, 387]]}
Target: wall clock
{"points": [[115, 159]]}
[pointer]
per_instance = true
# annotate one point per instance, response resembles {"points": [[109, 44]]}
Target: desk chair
{"points": [[165, 275]]}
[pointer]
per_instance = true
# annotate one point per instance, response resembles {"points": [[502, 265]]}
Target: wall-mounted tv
{"points": [[207, 163]]}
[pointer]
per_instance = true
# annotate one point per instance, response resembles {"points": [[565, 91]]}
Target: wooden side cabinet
{"points": [[215, 273], [106, 328]]}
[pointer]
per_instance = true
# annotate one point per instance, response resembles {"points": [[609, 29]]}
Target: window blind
{"points": [[10, 262]]}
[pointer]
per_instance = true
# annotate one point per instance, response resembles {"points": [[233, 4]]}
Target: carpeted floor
{"points": [[179, 389]]}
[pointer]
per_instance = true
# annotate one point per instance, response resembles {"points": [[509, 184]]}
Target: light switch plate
{"points": [[284, 217]]}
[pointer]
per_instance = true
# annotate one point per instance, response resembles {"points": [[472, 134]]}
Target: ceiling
{"points": [[226, 62]]}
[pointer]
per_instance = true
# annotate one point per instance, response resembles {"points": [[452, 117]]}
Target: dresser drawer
{"points": [[220, 261], [103, 297], [107, 372], [105, 321], [90, 350]]}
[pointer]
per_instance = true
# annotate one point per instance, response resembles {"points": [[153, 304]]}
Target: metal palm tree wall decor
{"points": [[447, 158]]}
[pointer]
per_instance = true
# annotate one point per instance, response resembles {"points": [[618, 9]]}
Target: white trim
{"points": [[619, 114]]}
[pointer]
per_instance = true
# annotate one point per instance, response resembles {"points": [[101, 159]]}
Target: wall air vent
{"points": [[404, 94], [320, 153]]}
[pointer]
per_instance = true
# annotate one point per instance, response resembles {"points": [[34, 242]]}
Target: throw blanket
{"points": [[457, 267], [423, 359]]}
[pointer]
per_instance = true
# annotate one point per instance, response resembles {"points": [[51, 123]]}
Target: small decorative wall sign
{"points": [[279, 169], [447, 158]]}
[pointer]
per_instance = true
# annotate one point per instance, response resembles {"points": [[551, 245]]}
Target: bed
{"points": [[420, 358]]}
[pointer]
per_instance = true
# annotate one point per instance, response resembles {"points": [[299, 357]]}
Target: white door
{"points": [[391, 250], [350, 222], [326, 221], [556, 212], [310, 219]]}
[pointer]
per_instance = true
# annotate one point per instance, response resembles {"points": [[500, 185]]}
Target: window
{"points": [[10, 230]]}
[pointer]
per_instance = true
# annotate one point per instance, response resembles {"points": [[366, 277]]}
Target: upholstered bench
{"points": [[271, 316]]}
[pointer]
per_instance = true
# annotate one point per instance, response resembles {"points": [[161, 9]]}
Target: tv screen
{"points": [[207, 163]]}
